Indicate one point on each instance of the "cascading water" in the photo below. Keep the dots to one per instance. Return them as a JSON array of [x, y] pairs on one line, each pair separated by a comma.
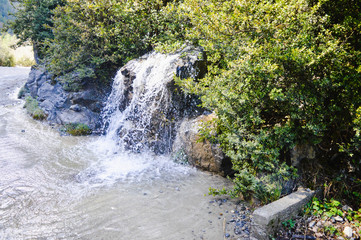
[[139, 121], [135, 115]]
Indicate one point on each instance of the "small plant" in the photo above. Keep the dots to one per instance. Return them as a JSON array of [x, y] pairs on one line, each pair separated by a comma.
[[77, 129], [331, 230], [328, 209], [32, 107], [289, 224], [21, 92]]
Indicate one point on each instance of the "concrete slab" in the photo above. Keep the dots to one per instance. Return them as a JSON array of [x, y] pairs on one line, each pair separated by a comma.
[[268, 218]]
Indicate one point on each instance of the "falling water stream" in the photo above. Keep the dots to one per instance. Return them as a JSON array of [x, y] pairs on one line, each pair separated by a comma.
[[64, 187]]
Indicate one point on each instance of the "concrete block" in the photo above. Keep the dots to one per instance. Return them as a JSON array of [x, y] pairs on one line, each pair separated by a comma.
[[268, 218]]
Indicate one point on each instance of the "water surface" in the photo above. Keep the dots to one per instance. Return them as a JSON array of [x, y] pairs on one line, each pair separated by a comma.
[[63, 187]]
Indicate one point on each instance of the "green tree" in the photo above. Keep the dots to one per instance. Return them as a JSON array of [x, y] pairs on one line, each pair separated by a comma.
[[5, 11], [33, 22], [92, 39], [281, 73]]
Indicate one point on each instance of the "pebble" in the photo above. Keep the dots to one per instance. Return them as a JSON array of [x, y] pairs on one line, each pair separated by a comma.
[[346, 208], [339, 219], [312, 224], [348, 232]]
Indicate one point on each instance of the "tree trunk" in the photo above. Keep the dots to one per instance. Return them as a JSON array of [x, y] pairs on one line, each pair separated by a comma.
[[36, 53]]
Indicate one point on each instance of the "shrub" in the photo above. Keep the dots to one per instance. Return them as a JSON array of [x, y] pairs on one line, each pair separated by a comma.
[[33, 109], [77, 129], [6, 58], [280, 73]]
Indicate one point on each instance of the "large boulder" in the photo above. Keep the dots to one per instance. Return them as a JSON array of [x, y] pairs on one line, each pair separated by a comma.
[[62, 106], [149, 103], [199, 152]]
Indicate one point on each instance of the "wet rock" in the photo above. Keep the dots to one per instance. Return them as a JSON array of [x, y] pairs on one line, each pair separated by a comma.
[[155, 105], [75, 108]]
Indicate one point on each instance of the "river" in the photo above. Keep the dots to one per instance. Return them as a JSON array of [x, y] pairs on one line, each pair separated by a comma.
[[62, 187]]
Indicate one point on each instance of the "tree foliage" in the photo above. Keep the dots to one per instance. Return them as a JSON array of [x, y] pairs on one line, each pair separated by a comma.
[[5, 11], [94, 38], [281, 73], [33, 22]]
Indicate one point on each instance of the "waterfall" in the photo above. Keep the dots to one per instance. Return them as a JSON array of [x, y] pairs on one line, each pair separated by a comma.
[[141, 115], [137, 113]]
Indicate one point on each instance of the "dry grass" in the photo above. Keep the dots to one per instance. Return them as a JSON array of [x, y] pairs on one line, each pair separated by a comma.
[[22, 56]]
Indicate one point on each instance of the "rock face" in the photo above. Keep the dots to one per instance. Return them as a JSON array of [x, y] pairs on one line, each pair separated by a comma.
[[202, 154], [64, 107], [145, 106]]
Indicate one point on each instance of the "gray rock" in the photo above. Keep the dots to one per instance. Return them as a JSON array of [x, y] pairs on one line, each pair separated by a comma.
[[346, 208], [312, 224], [300, 152], [338, 219], [347, 231], [61, 106], [202, 154]]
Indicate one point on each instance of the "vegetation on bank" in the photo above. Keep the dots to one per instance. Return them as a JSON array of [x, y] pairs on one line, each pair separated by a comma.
[[11, 56], [77, 129], [325, 219], [281, 73], [32, 107]]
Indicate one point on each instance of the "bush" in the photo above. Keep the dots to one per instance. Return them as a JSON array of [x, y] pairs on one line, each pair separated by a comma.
[[33, 109], [280, 73], [6, 58], [10, 57], [77, 129]]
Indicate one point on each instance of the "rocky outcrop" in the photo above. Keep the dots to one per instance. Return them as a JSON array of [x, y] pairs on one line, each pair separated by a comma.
[[146, 106], [64, 107], [201, 154]]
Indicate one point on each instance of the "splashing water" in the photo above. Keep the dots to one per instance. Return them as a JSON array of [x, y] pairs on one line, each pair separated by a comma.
[[137, 106], [137, 122]]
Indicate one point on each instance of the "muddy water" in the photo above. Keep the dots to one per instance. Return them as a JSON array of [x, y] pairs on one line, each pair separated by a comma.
[[61, 187]]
